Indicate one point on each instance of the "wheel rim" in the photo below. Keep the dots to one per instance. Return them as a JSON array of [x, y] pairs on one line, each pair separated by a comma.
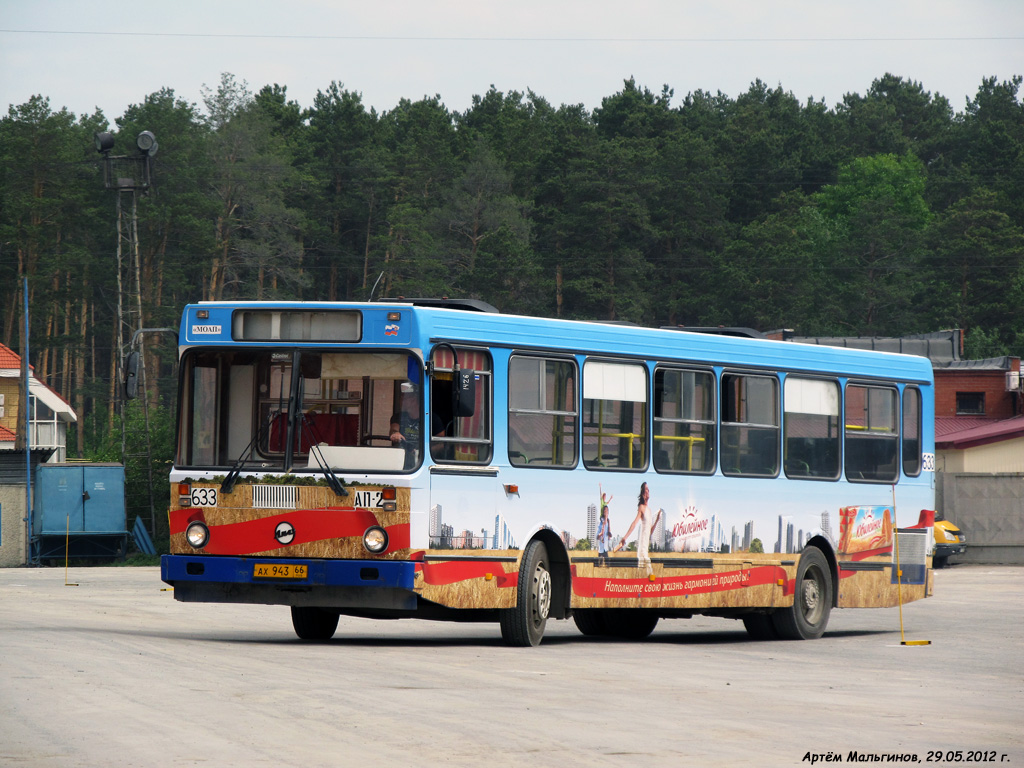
[[810, 596], [541, 594]]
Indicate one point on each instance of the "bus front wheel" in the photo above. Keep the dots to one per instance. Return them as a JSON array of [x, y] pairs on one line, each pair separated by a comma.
[[314, 623], [807, 618], [523, 625]]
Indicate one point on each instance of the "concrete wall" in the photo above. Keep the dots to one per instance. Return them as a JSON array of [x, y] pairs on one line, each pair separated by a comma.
[[12, 525], [989, 509]]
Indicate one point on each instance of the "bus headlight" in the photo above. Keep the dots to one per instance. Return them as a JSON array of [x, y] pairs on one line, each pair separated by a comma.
[[375, 540], [197, 534]]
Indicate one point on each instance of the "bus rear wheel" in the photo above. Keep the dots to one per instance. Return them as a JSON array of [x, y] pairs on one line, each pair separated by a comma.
[[760, 626], [314, 623], [623, 623], [523, 625], [590, 621], [629, 623], [807, 618]]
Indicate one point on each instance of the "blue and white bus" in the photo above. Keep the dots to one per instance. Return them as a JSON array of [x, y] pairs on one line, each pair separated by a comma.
[[438, 459]]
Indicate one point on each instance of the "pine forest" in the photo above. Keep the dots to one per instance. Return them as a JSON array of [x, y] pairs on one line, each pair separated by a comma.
[[891, 213]]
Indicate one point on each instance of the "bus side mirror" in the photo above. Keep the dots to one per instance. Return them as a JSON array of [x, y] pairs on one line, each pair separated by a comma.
[[464, 393], [131, 376]]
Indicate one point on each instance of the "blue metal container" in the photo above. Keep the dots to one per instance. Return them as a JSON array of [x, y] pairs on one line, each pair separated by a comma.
[[81, 504]]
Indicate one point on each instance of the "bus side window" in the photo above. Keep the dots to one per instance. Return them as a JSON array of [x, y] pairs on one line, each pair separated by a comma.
[[684, 421], [541, 412], [614, 415], [750, 425], [872, 433], [811, 428], [912, 459], [460, 439]]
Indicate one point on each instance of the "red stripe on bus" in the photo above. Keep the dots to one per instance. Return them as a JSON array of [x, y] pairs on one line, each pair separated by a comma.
[[310, 525], [673, 586]]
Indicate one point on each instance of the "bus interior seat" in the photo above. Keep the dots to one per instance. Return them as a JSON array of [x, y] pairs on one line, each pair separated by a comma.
[[329, 428]]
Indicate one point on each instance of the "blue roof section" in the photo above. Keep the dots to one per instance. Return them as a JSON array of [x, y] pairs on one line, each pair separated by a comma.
[[420, 326], [598, 338]]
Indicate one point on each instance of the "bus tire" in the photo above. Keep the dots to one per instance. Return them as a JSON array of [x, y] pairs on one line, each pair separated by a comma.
[[314, 623], [807, 618], [523, 626], [590, 621], [760, 627], [629, 623], [623, 623]]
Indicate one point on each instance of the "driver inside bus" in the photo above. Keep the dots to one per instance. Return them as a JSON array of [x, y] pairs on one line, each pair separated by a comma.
[[406, 424]]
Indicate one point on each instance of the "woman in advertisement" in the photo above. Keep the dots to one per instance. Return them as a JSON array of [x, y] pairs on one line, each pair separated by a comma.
[[643, 536]]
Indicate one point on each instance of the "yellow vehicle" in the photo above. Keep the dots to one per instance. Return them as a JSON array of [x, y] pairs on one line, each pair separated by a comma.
[[949, 540]]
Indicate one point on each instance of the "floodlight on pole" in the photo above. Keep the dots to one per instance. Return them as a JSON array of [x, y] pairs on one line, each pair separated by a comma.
[[104, 141], [146, 142]]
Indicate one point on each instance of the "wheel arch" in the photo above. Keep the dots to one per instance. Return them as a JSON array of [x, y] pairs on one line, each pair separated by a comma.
[[825, 546], [561, 594]]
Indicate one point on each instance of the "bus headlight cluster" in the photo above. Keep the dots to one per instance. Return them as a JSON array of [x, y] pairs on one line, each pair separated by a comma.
[[197, 534], [375, 540]]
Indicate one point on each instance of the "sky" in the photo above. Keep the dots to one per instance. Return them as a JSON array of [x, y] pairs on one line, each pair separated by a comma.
[[85, 55]]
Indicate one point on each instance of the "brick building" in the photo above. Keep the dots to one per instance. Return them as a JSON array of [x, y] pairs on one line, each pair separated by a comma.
[[978, 389]]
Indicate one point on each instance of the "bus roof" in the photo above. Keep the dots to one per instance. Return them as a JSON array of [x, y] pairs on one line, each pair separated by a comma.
[[444, 323]]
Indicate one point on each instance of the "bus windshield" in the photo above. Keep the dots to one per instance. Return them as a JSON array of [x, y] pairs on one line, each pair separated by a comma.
[[289, 410]]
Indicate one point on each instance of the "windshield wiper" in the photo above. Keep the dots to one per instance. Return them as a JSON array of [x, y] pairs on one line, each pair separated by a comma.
[[231, 478], [314, 450], [295, 417]]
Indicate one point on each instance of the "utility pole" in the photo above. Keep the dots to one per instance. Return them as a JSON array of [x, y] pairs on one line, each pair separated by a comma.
[[23, 435]]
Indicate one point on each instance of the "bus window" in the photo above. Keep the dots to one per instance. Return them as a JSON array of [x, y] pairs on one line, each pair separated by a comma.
[[750, 425], [541, 412], [614, 415], [810, 428], [202, 442], [345, 405], [684, 421], [871, 433], [912, 431], [455, 438], [254, 408]]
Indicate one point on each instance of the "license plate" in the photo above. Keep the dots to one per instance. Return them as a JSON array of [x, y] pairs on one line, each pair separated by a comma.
[[279, 571]]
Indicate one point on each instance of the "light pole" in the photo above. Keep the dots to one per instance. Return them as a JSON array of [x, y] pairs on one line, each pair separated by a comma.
[[128, 175]]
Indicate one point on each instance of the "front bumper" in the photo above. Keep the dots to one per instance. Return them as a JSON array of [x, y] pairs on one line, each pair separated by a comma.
[[365, 584], [945, 550]]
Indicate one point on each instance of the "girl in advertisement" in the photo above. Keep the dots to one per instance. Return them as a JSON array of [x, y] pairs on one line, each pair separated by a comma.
[[647, 524], [604, 533]]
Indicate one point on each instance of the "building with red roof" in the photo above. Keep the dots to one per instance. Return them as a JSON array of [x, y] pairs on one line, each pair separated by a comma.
[[49, 413], [49, 416]]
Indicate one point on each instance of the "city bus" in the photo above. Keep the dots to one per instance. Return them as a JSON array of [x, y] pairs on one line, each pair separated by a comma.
[[441, 460]]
